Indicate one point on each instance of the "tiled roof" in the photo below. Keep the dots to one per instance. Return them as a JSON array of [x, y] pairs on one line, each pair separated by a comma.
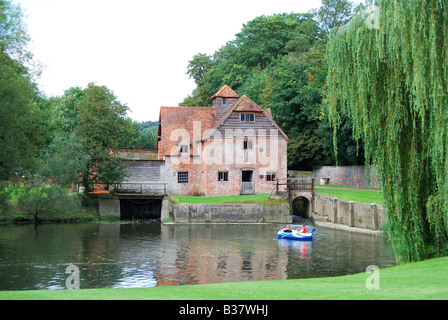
[[172, 118], [226, 92], [184, 118], [244, 104]]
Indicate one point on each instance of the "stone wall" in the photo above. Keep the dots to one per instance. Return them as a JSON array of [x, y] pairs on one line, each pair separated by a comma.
[[358, 215], [229, 213], [351, 176], [109, 207]]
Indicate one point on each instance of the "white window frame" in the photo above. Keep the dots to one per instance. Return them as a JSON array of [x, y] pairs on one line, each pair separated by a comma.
[[247, 117]]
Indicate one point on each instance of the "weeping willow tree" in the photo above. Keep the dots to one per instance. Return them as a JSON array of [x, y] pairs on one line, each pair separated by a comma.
[[388, 71]]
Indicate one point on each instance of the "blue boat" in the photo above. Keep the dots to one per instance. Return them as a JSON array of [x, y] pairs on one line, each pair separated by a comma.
[[295, 235]]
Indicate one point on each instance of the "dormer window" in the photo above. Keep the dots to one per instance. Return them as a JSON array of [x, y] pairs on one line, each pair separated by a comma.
[[247, 117]]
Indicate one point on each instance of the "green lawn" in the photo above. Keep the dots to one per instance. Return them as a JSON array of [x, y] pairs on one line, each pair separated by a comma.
[[252, 198], [421, 280], [363, 196]]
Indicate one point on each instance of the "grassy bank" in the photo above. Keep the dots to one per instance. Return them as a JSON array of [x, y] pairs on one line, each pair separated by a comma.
[[240, 199], [362, 196], [421, 280]]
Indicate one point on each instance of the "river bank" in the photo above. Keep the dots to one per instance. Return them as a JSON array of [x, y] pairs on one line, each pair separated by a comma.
[[425, 280]]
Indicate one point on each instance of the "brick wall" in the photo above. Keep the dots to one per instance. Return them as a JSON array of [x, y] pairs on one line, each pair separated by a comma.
[[230, 158]]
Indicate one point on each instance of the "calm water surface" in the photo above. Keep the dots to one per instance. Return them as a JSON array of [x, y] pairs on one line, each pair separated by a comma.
[[147, 254]]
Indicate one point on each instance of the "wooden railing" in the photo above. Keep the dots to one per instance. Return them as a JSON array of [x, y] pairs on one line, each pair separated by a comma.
[[156, 188], [299, 184]]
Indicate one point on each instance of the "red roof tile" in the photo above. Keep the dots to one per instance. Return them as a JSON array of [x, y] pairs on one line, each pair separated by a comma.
[[226, 92], [245, 104], [172, 118]]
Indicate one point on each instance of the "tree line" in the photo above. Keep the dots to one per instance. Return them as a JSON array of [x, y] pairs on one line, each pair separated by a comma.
[[50, 144]]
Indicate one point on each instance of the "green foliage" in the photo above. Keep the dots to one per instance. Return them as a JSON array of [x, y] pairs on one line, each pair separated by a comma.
[[248, 199], [334, 13], [21, 120], [438, 222], [39, 199], [98, 130], [391, 81], [138, 134], [264, 39], [63, 160], [199, 66], [13, 34], [60, 139], [4, 197], [278, 61]]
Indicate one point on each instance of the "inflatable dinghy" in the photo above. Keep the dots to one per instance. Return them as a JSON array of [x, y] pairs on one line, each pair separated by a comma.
[[295, 235]]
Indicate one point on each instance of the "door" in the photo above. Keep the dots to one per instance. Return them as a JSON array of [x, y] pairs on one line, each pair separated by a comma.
[[247, 182]]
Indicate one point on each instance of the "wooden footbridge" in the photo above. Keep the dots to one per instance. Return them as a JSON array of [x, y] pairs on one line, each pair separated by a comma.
[[294, 188]]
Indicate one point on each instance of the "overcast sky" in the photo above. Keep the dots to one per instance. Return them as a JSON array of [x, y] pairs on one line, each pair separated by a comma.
[[139, 49]]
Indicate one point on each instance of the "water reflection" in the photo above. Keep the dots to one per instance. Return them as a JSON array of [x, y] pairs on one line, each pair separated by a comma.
[[150, 254]]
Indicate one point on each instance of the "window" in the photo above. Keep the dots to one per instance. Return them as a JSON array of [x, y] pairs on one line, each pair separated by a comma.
[[224, 101], [223, 176], [182, 177], [247, 144], [247, 117], [270, 176], [184, 148]]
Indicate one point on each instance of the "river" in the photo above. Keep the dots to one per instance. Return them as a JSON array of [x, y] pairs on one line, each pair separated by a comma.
[[147, 254]]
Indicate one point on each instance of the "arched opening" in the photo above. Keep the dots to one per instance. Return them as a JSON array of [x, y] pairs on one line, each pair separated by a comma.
[[301, 207]]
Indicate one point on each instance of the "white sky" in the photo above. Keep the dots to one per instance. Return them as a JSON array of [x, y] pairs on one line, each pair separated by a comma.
[[139, 49]]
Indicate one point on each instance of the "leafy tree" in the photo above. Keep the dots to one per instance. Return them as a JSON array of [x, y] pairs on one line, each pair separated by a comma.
[[391, 81], [38, 199], [14, 37], [334, 13], [64, 115], [98, 130], [264, 39], [198, 66], [21, 119], [63, 160]]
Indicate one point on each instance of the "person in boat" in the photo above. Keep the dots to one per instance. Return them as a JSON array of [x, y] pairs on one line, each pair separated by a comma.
[[303, 230], [287, 228]]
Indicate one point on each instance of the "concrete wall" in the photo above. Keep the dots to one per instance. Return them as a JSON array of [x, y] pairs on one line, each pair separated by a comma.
[[109, 207], [351, 176], [358, 215], [230, 213]]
